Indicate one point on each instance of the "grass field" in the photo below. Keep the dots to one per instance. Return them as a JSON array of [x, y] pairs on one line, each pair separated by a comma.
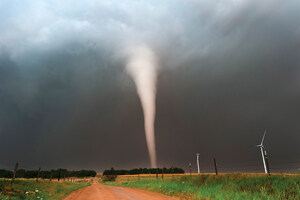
[[225, 186], [31, 189]]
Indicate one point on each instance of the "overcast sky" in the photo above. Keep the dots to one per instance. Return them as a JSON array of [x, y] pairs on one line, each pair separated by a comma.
[[228, 70]]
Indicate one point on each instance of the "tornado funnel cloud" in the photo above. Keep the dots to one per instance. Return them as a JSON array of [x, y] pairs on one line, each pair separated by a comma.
[[142, 66]]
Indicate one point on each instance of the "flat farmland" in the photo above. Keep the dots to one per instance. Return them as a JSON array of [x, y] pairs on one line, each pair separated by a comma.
[[222, 186]]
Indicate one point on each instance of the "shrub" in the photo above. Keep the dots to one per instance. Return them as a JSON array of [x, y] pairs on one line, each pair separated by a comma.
[[164, 170], [106, 178], [59, 173], [6, 173]]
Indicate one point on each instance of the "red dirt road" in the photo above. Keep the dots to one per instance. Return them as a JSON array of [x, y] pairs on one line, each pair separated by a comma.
[[98, 191]]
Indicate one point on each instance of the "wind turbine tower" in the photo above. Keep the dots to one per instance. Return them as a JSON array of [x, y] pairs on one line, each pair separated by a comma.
[[264, 154], [198, 163]]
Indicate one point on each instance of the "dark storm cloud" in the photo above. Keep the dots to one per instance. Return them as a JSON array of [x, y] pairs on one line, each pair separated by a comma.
[[228, 70]]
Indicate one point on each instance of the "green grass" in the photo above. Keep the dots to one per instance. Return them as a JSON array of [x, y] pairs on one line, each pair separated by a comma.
[[229, 186], [31, 189]]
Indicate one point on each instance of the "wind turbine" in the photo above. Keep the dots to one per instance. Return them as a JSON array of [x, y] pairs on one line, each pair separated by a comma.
[[264, 154]]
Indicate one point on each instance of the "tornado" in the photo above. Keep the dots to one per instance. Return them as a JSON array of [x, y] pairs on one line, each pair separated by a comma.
[[142, 66]]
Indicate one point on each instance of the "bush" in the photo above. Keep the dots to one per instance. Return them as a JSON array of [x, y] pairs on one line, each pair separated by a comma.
[[164, 170], [59, 173], [106, 178], [6, 173]]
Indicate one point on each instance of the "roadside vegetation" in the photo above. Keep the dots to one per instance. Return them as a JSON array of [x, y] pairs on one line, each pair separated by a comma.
[[172, 170], [225, 186], [31, 189], [58, 173]]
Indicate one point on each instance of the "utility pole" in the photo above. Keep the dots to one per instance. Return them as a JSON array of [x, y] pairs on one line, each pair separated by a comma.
[[216, 169], [198, 163]]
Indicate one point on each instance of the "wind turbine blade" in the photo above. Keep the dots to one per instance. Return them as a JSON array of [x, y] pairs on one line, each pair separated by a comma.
[[262, 141]]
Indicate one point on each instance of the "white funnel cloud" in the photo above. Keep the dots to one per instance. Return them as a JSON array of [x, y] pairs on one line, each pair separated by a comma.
[[142, 66]]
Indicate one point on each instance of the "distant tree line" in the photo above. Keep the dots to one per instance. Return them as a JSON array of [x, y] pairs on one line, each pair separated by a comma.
[[164, 170], [58, 173]]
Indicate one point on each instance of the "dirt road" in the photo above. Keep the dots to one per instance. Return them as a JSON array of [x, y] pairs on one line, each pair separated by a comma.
[[98, 191]]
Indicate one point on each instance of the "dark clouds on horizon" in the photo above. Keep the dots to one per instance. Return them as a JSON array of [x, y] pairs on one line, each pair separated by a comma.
[[228, 70]]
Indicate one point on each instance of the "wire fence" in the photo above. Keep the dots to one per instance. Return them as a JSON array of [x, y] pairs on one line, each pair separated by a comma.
[[133, 178], [288, 163], [239, 166], [165, 177], [61, 178]]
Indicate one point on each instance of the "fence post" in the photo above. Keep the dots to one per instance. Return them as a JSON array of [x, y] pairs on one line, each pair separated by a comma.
[[162, 174], [190, 165], [15, 171], [51, 175], [38, 174], [216, 169]]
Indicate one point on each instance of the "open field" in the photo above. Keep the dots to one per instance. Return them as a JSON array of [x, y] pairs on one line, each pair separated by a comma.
[[223, 186], [44, 189]]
